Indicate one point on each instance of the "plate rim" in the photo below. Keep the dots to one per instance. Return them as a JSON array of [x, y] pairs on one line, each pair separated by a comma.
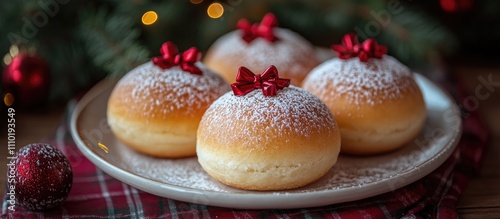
[[224, 199]]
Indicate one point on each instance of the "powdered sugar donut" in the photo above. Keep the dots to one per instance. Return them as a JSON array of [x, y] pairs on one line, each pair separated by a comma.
[[260, 142], [293, 55], [377, 103], [156, 111], [375, 99]]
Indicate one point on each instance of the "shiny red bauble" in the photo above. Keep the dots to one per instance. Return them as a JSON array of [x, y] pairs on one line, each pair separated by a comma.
[[27, 77]]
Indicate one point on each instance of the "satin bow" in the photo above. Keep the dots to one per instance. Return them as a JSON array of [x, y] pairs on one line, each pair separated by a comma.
[[264, 29], [170, 57], [351, 47], [269, 82]]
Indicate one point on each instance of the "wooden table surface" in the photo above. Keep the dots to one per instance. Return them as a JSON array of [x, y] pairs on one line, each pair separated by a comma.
[[481, 198]]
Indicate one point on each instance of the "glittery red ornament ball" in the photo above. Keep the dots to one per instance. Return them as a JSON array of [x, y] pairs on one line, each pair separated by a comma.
[[43, 177]]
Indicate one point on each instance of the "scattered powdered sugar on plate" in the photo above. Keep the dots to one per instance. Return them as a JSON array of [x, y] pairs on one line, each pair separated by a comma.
[[260, 54], [185, 172], [174, 88], [349, 172], [293, 111], [369, 82]]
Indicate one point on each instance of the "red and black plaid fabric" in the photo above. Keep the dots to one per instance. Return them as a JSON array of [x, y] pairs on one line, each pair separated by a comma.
[[97, 195]]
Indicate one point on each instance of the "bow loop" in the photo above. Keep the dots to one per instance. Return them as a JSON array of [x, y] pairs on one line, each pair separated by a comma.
[[371, 46], [270, 73], [168, 51], [170, 57], [269, 20], [350, 40], [269, 82], [351, 47], [244, 24], [191, 55], [246, 29], [245, 75], [264, 29]]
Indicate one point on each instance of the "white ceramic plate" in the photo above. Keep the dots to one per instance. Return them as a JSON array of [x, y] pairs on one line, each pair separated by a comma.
[[352, 178]]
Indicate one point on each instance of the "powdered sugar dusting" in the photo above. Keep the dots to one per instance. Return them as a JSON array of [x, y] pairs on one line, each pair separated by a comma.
[[180, 172], [348, 172], [260, 53], [286, 112], [369, 82], [176, 89]]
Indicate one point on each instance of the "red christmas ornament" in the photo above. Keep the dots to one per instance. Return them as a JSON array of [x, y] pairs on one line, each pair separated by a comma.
[[27, 77], [42, 177], [453, 6], [264, 29], [170, 57], [351, 47], [269, 82]]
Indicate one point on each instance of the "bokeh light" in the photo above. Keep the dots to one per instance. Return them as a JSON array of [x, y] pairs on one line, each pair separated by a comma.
[[103, 147], [13, 51], [7, 59], [149, 18], [215, 10], [196, 1], [8, 99]]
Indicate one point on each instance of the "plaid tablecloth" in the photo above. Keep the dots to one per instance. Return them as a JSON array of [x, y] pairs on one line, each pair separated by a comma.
[[97, 195]]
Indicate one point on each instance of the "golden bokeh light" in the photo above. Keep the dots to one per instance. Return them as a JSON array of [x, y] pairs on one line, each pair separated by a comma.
[[196, 1], [149, 18], [103, 147], [8, 99], [215, 10]]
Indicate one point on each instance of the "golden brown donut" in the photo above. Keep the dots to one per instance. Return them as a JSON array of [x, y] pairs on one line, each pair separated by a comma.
[[377, 104], [293, 55], [258, 142], [156, 111]]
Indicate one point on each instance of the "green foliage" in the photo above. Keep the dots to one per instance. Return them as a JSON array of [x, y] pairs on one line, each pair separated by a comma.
[[112, 41], [414, 38]]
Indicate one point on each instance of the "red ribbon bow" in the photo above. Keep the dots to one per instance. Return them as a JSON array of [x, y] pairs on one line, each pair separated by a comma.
[[269, 82], [264, 29], [350, 48], [170, 57]]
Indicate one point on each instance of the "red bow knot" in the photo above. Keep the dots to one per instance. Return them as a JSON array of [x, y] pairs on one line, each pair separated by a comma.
[[269, 82], [170, 57], [264, 29], [351, 47]]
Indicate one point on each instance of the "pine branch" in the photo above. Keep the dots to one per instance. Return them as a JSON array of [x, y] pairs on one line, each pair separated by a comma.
[[71, 68], [112, 42]]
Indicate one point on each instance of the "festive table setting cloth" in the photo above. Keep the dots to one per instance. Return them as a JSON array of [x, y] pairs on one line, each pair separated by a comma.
[[95, 194]]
